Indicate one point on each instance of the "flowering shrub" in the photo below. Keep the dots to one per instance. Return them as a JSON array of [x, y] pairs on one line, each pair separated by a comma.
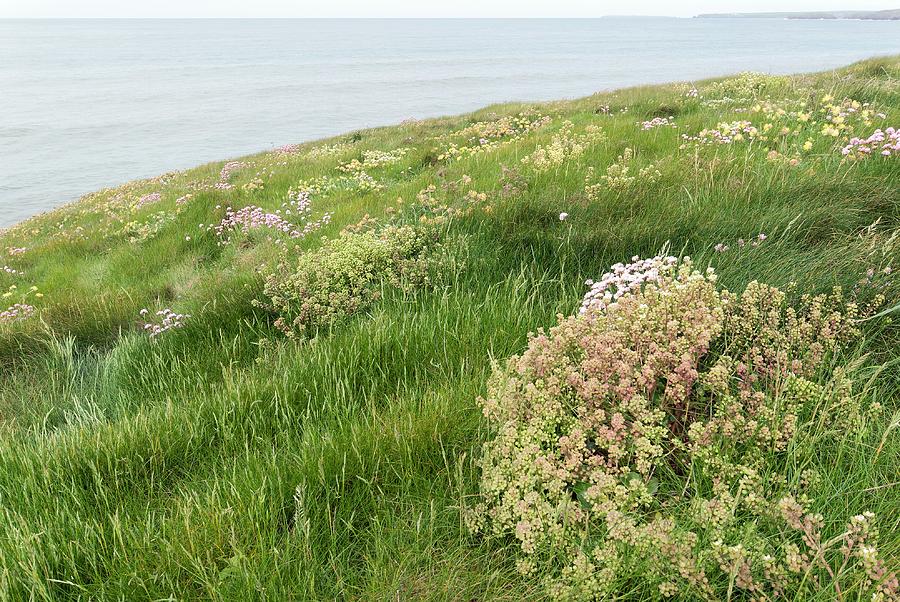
[[287, 149], [624, 279], [364, 182], [788, 122], [747, 85], [137, 232], [328, 150], [162, 321], [724, 133], [485, 136], [298, 207], [649, 434], [657, 122], [619, 176], [254, 185], [148, 199], [374, 158], [356, 177], [21, 310], [886, 143], [791, 128], [225, 174], [346, 276], [16, 312], [565, 145]]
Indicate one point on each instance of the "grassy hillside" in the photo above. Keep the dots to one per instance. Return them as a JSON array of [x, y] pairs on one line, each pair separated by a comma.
[[265, 379]]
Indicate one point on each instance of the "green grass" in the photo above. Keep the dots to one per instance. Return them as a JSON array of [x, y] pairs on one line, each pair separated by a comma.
[[223, 461]]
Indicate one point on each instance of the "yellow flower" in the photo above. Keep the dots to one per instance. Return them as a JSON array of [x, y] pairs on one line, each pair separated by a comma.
[[807, 145]]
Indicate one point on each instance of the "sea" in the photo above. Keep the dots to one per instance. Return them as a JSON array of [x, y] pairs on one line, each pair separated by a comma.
[[86, 104]]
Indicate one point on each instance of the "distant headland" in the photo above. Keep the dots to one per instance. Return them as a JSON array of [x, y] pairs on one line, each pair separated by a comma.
[[869, 15]]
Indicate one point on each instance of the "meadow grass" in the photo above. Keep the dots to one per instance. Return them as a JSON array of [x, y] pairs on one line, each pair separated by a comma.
[[224, 460]]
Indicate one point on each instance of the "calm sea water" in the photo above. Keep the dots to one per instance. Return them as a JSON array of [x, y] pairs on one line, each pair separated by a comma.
[[88, 103]]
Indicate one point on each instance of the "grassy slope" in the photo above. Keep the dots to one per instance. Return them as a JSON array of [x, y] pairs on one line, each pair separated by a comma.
[[147, 469]]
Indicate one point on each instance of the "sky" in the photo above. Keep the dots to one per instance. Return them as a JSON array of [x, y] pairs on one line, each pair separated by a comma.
[[414, 8]]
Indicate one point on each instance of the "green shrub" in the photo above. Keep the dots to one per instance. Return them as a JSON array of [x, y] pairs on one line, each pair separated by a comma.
[[749, 84], [657, 433], [347, 275]]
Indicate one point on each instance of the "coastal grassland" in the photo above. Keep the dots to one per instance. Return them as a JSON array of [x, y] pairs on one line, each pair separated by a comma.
[[226, 455]]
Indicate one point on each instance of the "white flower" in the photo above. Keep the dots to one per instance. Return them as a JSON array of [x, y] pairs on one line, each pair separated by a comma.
[[563, 216]]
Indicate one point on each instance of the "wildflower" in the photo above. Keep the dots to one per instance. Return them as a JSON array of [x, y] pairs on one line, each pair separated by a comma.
[[252, 217], [348, 274], [886, 142], [565, 145], [148, 199], [725, 133], [619, 176], [287, 149], [660, 370], [16, 313], [563, 216], [164, 320], [657, 122]]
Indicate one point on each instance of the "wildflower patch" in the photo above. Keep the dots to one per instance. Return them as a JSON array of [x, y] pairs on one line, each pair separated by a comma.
[[564, 146], [652, 432], [347, 275]]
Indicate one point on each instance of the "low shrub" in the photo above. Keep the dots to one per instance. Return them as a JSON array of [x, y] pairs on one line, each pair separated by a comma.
[[564, 146], [749, 84], [347, 275], [660, 432], [619, 176]]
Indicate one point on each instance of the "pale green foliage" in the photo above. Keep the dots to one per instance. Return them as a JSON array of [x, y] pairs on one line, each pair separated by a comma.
[[653, 435], [565, 145], [620, 176], [748, 84], [348, 274]]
